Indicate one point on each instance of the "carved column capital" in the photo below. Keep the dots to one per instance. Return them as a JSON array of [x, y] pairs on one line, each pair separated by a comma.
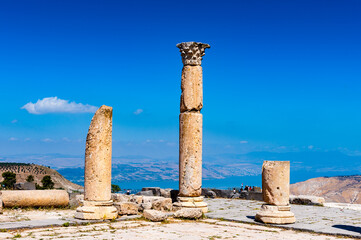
[[192, 52]]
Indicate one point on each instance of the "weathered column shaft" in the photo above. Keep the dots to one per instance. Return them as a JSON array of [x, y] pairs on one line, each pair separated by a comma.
[[190, 123], [190, 154], [97, 202], [276, 182], [98, 157]]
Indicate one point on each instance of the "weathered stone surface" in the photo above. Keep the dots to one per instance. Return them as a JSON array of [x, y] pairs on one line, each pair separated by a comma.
[[189, 213], [76, 200], [145, 193], [192, 89], [97, 178], [98, 156], [208, 193], [34, 198], [136, 199], [276, 182], [192, 52], [127, 208], [190, 202], [155, 190], [154, 215], [151, 199], [190, 154], [118, 197], [275, 214], [166, 192], [96, 210], [145, 206], [307, 200], [164, 204]]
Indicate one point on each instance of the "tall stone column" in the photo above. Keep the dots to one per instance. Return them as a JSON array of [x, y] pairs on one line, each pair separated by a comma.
[[190, 127], [276, 193], [98, 166]]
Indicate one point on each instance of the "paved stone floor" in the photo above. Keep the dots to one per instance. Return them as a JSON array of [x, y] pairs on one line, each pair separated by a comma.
[[330, 220], [341, 220]]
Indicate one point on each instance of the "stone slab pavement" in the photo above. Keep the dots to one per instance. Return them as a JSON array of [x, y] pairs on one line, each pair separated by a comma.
[[329, 220]]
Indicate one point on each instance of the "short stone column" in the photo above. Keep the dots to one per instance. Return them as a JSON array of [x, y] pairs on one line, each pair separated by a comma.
[[98, 166], [190, 127], [276, 193]]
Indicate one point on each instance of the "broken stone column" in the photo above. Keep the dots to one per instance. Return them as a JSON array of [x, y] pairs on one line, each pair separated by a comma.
[[276, 192], [97, 202], [190, 127]]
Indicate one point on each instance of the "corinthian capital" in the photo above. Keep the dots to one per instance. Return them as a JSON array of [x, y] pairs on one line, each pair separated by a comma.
[[192, 52]]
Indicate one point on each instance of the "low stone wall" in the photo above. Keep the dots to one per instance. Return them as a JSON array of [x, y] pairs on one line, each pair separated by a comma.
[[34, 198]]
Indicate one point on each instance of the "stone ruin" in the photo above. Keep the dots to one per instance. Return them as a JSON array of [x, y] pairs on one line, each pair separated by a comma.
[[97, 202], [276, 191]]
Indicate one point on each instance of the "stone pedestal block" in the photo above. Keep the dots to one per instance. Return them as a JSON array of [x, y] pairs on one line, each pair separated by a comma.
[[92, 210], [190, 202], [190, 154], [275, 214], [276, 182], [192, 89]]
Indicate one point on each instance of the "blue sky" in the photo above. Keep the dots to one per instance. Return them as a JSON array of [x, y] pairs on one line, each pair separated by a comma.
[[280, 76]]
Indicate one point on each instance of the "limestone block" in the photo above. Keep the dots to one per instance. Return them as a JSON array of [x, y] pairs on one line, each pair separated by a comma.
[[166, 192], [164, 204], [145, 193], [98, 155], [190, 202], [34, 198], [275, 214], [145, 206], [151, 199], [192, 89], [92, 210], [276, 182], [127, 208], [189, 213], [190, 154], [154, 215], [136, 199], [307, 200], [155, 190], [118, 197]]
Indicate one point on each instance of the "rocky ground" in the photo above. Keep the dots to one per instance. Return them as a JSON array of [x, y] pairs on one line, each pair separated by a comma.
[[171, 229]]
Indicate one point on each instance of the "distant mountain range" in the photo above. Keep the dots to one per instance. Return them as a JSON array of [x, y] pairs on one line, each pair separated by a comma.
[[304, 165], [343, 189]]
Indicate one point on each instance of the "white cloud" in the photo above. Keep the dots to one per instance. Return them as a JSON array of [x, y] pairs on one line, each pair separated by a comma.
[[14, 121], [57, 105], [138, 111], [13, 139], [47, 140], [243, 142]]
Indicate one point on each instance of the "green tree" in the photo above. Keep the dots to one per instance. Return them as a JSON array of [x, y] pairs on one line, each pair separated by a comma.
[[9, 180], [30, 178], [47, 182], [115, 188]]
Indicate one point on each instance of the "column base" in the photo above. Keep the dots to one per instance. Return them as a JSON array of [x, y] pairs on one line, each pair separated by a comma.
[[191, 202], [275, 214], [95, 210]]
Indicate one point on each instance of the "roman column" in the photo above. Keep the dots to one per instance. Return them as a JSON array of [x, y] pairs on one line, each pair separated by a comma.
[[98, 166], [190, 126], [276, 193]]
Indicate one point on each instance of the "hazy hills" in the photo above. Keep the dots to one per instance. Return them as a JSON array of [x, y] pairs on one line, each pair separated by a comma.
[[343, 189]]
